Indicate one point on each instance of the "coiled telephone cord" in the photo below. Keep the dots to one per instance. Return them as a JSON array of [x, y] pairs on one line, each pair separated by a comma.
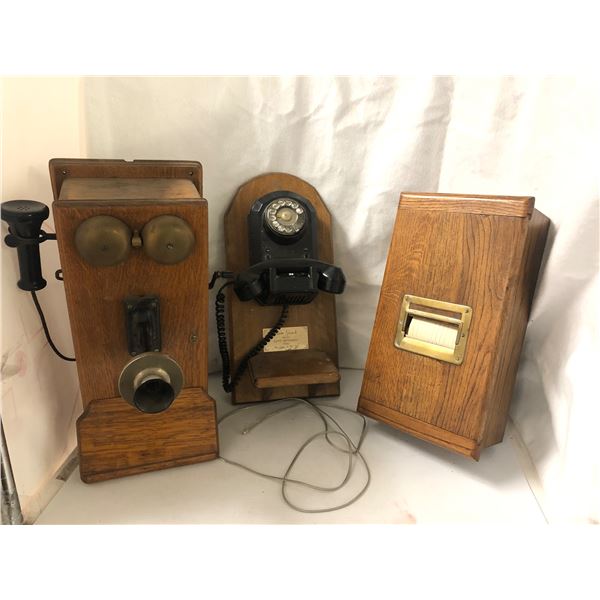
[[230, 382]]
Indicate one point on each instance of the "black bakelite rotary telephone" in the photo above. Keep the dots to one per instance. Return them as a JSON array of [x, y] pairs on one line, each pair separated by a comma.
[[282, 234], [285, 269]]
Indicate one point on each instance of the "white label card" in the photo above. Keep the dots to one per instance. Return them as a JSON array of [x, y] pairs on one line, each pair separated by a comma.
[[288, 338]]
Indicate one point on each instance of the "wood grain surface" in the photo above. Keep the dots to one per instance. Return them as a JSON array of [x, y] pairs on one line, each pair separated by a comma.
[[95, 294], [248, 319], [90, 168], [512, 336], [508, 206], [272, 369], [116, 440], [151, 191], [483, 260]]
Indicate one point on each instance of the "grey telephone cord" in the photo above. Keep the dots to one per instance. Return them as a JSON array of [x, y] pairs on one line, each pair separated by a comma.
[[351, 450]]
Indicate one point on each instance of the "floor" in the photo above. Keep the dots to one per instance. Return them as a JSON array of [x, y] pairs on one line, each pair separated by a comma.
[[411, 481]]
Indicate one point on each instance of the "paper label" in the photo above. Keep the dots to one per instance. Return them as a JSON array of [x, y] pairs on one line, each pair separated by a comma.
[[288, 338]]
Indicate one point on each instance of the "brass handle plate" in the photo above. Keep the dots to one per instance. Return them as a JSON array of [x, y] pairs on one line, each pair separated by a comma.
[[440, 330]]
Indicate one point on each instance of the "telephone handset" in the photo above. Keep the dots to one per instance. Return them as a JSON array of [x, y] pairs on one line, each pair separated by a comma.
[[288, 281], [282, 235], [24, 219]]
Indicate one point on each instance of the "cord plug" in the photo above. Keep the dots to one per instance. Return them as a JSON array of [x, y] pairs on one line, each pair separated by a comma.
[[219, 275]]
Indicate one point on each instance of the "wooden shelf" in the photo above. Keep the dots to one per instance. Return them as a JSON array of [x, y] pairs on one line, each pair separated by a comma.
[[292, 367]]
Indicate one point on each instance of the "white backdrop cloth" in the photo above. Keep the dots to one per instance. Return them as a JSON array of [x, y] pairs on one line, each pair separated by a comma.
[[362, 141]]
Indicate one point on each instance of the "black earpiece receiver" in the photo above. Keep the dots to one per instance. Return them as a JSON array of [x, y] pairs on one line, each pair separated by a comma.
[[25, 218], [282, 235]]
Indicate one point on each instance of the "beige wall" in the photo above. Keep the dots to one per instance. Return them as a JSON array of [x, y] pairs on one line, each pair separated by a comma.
[[41, 119]]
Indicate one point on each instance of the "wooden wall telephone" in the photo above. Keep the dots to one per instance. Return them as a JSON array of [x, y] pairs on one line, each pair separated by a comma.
[[133, 242], [279, 243]]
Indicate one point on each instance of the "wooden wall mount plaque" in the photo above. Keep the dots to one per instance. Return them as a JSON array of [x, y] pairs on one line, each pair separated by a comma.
[[135, 192], [269, 378], [483, 252]]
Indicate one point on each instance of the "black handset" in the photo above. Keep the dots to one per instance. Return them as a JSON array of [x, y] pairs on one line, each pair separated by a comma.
[[289, 281], [282, 236], [25, 218]]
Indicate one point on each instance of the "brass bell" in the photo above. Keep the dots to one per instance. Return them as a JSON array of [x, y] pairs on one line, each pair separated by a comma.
[[167, 239], [103, 241]]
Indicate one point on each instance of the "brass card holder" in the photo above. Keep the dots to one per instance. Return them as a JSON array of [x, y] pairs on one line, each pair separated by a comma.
[[436, 317]]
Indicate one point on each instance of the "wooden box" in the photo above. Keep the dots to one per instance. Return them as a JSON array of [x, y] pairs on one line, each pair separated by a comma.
[[480, 254], [115, 438]]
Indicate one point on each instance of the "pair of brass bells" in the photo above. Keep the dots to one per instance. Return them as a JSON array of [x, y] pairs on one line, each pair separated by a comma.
[[104, 241]]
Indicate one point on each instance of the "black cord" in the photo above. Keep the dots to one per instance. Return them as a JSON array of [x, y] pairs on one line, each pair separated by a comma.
[[230, 382], [222, 335], [45, 326]]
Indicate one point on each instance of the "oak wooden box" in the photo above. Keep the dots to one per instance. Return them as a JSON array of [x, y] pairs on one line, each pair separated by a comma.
[[480, 251], [114, 438]]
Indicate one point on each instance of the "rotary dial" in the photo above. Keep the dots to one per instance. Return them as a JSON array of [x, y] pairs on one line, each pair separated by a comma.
[[285, 216]]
